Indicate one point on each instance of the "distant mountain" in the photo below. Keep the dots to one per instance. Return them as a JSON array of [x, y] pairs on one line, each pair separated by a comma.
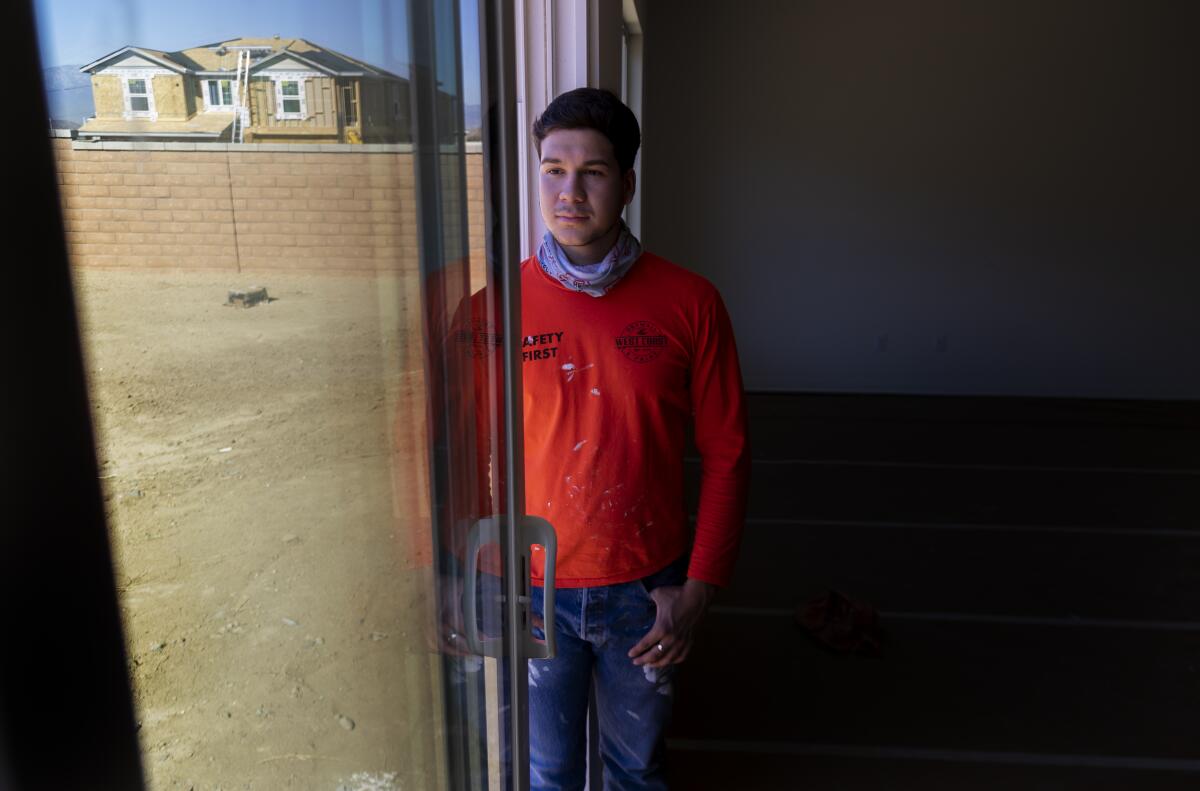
[[71, 106], [58, 78], [471, 116], [69, 95]]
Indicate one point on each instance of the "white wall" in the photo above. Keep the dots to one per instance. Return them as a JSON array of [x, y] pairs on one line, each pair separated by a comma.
[[936, 196], [561, 45]]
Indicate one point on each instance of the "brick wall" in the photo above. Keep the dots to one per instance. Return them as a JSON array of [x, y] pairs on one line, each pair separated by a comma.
[[270, 207]]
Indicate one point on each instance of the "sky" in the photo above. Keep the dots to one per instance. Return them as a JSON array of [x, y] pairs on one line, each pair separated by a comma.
[[375, 31]]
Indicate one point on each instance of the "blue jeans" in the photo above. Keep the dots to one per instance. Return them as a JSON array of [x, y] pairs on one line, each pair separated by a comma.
[[595, 628]]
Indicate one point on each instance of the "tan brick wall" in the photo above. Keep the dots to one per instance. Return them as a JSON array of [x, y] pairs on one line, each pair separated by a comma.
[[169, 100], [108, 95], [212, 209]]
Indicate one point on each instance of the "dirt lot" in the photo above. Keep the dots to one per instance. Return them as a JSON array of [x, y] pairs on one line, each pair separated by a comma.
[[262, 470]]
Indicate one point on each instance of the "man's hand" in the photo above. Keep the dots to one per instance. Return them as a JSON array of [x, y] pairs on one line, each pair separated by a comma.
[[680, 608]]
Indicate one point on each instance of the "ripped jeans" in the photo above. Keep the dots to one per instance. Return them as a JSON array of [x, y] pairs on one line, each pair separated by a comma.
[[595, 629]]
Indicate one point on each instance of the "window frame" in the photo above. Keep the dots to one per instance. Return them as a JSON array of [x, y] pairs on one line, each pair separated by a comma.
[[351, 114], [207, 87], [129, 95], [280, 98]]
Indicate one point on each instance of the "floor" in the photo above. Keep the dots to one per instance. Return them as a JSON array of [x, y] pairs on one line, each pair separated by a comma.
[[1033, 563]]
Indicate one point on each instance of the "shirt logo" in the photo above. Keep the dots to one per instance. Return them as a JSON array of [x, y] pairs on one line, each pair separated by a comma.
[[480, 339], [641, 342], [543, 346]]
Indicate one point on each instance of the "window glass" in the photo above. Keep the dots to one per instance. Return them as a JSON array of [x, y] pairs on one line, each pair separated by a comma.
[[220, 93], [254, 328], [139, 102], [350, 103], [291, 88]]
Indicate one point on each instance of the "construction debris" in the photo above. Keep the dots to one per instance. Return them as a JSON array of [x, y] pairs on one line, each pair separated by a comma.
[[248, 298]]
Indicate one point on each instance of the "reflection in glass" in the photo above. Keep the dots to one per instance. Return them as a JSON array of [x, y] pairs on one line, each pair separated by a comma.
[[266, 460], [139, 101]]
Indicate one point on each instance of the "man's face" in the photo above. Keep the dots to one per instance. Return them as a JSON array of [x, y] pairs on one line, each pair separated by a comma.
[[582, 192]]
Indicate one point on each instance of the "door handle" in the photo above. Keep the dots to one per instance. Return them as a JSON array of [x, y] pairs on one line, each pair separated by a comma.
[[536, 530], [531, 530], [485, 531]]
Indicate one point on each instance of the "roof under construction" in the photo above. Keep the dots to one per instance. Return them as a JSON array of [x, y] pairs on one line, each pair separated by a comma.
[[222, 57]]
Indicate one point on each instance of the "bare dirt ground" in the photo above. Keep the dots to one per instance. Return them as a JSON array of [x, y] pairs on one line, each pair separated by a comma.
[[262, 470]]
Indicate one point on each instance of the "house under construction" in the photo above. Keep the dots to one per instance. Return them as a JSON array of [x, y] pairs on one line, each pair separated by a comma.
[[264, 90]]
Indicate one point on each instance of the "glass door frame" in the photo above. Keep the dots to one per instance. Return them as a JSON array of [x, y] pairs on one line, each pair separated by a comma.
[[438, 147], [66, 708], [497, 56], [55, 561]]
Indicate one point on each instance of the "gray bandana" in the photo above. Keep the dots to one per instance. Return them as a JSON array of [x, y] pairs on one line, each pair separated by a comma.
[[594, 279]]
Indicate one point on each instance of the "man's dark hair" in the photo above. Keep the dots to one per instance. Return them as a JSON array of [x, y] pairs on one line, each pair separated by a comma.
[[593, 108]]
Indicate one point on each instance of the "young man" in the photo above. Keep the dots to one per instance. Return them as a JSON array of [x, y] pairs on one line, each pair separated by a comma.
[[622, 351]]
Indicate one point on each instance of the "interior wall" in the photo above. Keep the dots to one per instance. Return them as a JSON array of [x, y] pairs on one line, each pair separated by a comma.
[[604, 45], [937, 196]]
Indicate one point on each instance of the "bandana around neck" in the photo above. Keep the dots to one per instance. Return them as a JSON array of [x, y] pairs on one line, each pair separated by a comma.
[[594, 279]]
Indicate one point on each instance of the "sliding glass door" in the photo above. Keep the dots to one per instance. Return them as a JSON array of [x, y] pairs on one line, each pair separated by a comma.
[[296, 314]]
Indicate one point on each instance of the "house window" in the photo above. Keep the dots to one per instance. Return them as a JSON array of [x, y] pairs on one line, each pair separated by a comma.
[[139, 96], [289, 99], [137, 90], [220, 93], [290, 89], [350, 105]]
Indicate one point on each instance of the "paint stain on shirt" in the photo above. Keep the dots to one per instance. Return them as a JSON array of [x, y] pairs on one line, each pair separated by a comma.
[[570, 369]]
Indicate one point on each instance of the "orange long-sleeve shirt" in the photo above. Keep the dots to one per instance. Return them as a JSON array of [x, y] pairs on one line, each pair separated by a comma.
[[610, 385]]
